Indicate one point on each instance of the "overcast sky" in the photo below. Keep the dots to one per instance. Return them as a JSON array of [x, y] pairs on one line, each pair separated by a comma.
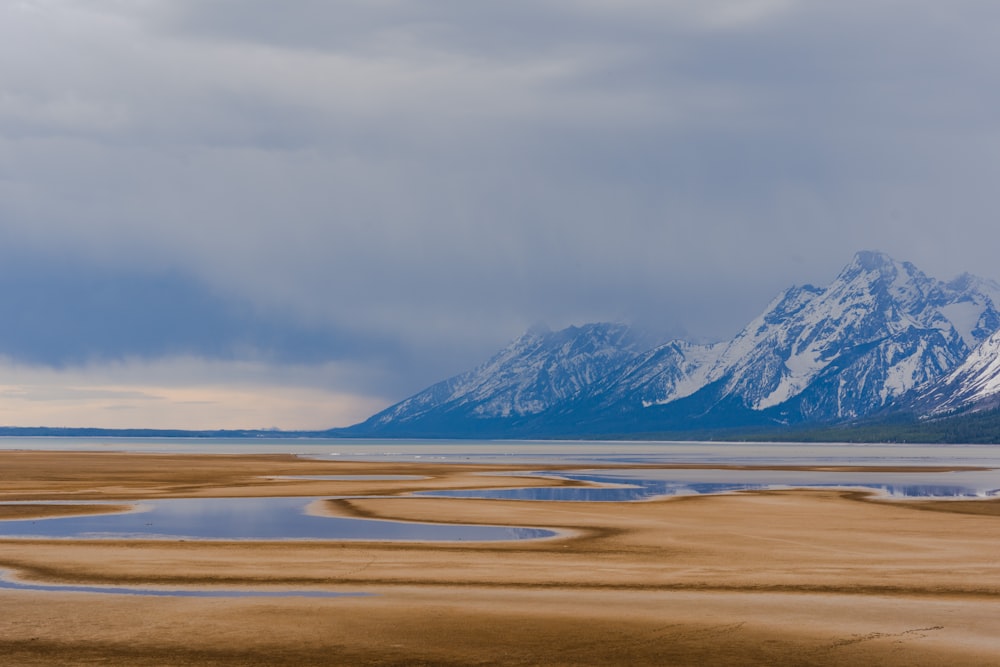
[[247, 213]]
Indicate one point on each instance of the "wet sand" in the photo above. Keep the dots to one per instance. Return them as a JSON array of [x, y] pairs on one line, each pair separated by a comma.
[[806, 577]]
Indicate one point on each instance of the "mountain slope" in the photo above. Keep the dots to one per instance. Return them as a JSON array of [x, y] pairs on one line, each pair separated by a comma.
[[880, 330], [972, 386], [535, 372], [877, 331]]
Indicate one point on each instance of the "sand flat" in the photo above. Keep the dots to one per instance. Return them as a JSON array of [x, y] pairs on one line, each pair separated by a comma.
[[754, 578]]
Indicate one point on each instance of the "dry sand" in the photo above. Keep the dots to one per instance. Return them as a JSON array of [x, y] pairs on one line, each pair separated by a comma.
[[757, 578]]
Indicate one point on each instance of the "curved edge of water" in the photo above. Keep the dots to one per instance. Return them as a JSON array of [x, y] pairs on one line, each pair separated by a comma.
[[518, 533]]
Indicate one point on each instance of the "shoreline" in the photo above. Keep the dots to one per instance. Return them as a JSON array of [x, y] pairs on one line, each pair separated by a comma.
[[757, 577]]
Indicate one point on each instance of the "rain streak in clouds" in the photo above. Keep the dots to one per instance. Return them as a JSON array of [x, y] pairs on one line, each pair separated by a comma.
[[249, 214]]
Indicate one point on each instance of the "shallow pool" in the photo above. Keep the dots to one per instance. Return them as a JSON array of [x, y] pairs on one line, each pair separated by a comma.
[[626, 485], [248, 519]]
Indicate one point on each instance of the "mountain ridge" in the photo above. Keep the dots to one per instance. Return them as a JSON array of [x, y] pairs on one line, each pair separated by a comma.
[[875, 339]]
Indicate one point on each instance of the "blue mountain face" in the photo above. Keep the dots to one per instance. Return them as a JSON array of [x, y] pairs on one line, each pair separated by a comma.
[[971, 386], [877, 331], [536, 372], [881, 330]]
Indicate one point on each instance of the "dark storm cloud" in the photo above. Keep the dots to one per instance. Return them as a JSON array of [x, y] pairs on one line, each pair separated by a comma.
[[60, 312], [413, 183]]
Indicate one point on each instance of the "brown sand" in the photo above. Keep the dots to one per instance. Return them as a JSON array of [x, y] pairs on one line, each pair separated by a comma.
[[762, 578]]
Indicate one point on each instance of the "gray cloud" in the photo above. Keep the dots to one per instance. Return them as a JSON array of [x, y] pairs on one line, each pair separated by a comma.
[[60, 312], [410, 184]]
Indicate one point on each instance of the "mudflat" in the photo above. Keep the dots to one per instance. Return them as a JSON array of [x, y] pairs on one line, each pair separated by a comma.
[[798, 577]]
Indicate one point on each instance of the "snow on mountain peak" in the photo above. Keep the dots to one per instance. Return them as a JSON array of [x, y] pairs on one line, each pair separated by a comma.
[[879, 330], [973, 384], [535, 371]]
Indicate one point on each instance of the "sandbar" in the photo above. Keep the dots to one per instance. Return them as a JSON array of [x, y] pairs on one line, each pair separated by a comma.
[[797, 577]]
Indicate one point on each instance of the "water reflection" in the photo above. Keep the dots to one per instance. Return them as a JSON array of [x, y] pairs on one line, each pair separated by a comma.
[[249, 519], [642, 491], [347, 478], [637, 485]]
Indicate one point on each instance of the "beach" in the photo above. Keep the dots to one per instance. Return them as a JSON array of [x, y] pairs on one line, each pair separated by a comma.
[[799, 576]]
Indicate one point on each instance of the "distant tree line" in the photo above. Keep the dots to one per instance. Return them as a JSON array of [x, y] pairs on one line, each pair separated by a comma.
[[974, 429]]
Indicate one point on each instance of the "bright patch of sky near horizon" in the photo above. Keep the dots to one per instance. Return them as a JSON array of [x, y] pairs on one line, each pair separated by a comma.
[[357, 199]]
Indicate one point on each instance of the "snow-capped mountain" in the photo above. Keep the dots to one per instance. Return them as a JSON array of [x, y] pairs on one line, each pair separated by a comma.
[[878, 331], [974, 385], [535, 372], [666, 373]]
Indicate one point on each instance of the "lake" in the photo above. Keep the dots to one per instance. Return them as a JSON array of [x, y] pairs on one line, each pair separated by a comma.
[[287, 518], [540, 451]]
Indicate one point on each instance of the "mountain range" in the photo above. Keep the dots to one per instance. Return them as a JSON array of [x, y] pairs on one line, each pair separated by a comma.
[[882, 337]]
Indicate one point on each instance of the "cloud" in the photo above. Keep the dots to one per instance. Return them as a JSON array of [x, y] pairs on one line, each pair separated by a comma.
[[407, 185], [180, 392], [63, 312]]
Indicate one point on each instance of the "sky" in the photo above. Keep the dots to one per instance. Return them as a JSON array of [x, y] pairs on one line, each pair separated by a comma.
[[250, 214]]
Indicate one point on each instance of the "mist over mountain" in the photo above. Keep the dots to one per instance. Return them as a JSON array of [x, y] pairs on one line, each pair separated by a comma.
[[882, 336]]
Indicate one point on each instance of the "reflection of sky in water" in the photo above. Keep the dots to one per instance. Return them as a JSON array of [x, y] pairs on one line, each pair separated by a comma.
[[284, 518], [248, 519], [346, 478], [646, 484]]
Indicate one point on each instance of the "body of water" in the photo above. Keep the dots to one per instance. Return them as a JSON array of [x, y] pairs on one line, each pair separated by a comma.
[[539, 451], [627, 485], [288, 518], [247, 519]]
